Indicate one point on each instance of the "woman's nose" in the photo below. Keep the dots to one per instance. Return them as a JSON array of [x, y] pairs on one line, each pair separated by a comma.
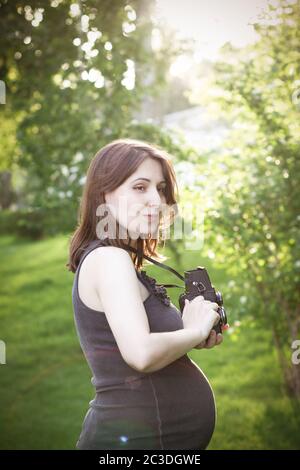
[[155, 198]]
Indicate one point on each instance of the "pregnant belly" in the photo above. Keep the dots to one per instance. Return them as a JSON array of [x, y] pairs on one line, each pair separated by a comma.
[[187, 405], [173, 408]]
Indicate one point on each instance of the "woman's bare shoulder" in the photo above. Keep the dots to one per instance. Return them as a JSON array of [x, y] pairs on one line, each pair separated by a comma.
[[112, 263]]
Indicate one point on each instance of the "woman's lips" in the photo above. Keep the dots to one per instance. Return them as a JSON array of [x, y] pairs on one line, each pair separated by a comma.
[[152, 218]]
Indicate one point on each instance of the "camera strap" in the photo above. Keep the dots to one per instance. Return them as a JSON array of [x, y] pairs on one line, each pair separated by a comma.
[[161, 265]]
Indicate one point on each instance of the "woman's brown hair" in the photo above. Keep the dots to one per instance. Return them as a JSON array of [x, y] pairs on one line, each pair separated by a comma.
[[110, 167]]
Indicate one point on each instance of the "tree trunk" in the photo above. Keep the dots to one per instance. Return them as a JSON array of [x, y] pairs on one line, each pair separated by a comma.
[[291, 372], [6, 191]]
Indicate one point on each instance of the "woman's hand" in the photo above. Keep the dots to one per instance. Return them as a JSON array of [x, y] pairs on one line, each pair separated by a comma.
[[214, 339], [200, 315]]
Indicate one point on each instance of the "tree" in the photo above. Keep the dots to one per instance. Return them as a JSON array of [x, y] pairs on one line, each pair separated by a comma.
[[74, 73], [255, 215]]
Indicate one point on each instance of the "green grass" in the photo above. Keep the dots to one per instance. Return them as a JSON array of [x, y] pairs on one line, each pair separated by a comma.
[[45, 385]]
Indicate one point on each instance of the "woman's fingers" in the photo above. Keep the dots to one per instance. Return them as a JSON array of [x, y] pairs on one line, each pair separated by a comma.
[[214, 339], [219, 338], [215, 306], [211, 340], [198, 298]]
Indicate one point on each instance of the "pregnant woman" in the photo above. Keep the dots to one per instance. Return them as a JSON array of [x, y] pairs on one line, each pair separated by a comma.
[[148, 393]]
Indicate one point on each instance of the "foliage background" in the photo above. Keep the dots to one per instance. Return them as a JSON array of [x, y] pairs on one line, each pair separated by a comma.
[[69, 90]]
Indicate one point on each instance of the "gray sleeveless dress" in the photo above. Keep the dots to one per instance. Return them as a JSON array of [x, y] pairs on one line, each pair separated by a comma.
[[171, 408]]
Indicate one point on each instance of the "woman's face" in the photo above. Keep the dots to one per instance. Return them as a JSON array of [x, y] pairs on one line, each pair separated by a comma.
[[142, 194]]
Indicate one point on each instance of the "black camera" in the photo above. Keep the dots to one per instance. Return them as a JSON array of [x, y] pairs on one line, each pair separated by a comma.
[[197, 283]]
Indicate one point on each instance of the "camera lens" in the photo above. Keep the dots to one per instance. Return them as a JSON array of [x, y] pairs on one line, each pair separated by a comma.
[[223, 316], [219, 298]]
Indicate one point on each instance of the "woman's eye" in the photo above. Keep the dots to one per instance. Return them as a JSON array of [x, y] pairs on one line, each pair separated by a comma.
[[139, 188]]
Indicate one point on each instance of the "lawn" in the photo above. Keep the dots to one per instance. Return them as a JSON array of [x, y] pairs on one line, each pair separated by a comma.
[[46, 383]]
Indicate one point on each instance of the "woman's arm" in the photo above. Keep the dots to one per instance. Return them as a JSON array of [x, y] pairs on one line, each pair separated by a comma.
[[170, 346], [115, 280], [164, 348]]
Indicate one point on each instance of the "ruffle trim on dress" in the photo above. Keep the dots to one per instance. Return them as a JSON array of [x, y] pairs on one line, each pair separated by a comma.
[[158, 290]]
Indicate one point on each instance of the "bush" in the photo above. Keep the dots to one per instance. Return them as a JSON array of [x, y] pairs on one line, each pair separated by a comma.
[[38, 222]]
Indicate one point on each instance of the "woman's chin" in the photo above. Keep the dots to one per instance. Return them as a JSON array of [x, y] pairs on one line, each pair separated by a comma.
[[143, 230]]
